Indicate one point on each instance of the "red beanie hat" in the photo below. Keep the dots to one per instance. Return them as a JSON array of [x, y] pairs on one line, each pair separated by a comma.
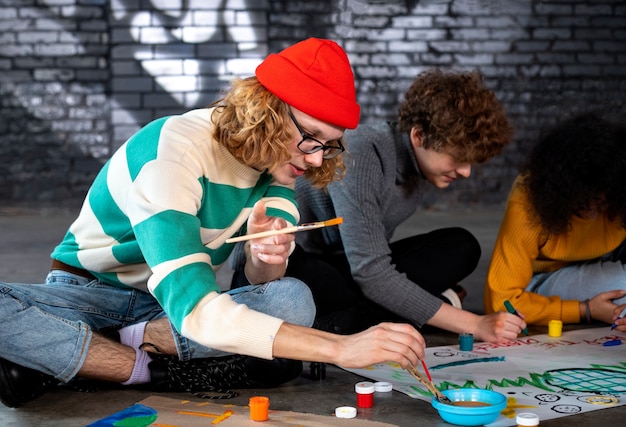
[[315, 77]]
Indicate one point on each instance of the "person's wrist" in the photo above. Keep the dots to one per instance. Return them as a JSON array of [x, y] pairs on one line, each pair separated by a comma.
[[587, 311]]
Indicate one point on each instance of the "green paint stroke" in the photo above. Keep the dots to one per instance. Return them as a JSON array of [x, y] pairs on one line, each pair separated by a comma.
[[418, 390], [144, 421], [536, 380], [620, 367], [398, 374], [447, 385]]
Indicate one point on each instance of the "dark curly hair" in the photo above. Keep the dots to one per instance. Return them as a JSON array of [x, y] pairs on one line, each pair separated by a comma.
[[455, 113], [577, 165]]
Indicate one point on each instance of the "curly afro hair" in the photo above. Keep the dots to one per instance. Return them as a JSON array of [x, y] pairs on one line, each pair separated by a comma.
[[579, 164], [456, 113]]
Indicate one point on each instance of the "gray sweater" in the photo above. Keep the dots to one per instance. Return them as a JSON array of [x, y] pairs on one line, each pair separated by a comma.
[[379, 192]]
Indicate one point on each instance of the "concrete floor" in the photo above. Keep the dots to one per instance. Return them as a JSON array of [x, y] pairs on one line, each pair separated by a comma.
[[28, 236]]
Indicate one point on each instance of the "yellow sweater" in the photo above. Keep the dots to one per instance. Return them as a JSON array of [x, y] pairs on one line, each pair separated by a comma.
[[522, 250]]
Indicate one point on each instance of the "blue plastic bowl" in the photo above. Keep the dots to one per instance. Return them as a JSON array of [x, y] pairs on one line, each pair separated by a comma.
[[471, 415]]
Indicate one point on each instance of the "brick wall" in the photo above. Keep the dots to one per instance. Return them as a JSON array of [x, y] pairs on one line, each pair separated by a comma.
[[77, 77]]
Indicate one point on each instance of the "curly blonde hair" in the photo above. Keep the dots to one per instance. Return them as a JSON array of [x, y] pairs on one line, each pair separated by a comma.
[[252, 124], [456, 113]]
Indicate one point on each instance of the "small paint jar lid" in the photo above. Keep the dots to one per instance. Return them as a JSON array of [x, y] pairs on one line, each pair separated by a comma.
[[383, 386], [527, 419], [345, 412], [364, 387]]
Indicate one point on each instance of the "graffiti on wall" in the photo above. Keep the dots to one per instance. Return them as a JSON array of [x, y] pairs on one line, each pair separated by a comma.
[[176, 71]]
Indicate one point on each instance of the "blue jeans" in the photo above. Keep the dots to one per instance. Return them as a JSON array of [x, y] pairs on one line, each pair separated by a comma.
[[48, 327], [584, 280]]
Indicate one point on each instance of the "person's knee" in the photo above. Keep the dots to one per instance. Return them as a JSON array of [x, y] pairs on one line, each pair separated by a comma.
[[299, 306], [468, 239], [468, 245]]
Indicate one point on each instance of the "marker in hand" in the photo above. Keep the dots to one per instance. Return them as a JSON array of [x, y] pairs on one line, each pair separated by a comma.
[[510, 309], [621, 316]]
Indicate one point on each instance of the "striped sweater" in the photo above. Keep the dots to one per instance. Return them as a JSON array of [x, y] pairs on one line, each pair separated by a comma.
[[156, 218], [521, 250]]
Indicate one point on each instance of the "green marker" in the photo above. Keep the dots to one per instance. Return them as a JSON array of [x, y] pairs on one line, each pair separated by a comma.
[[510, 309]]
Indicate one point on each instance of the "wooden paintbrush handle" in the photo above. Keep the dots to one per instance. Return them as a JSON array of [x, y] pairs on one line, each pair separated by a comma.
[[428, 384], [262, 234]]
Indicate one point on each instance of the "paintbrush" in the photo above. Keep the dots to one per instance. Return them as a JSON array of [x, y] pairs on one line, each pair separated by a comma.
[[426, 370], [429, 384], [301, 227]]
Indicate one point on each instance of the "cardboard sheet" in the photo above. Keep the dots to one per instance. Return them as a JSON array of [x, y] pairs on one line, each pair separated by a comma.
[[158, 411]]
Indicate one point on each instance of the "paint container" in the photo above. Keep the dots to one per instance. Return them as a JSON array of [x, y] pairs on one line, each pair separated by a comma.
[[466, 342], [383, 387], [527, 419], [383, 390], [259, 408], [364, 394], [345, 412], [555, 328]]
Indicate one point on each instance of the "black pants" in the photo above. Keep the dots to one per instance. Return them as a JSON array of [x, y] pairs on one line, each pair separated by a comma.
[[435, 261]]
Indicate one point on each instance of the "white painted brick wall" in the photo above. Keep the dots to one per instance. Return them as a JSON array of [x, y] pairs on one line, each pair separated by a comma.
[[79, 77]]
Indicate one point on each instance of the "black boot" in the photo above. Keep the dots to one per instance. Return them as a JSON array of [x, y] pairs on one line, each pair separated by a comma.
[[19, 385], [218, 375], [271, 373]]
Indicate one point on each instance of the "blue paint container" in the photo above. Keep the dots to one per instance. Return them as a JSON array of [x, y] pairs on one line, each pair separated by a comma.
[[466, 342], [470, 415]]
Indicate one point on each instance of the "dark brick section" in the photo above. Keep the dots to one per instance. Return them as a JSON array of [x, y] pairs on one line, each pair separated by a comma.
[[77, 77], [54, 105]]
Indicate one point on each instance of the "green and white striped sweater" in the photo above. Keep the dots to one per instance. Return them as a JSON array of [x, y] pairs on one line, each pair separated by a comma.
[[156, 218]]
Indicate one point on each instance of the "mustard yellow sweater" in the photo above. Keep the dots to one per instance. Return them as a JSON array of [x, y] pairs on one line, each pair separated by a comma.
[[521, 250]]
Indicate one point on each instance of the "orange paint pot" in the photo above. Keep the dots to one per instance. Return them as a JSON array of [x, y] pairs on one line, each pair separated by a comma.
[[259, 408]]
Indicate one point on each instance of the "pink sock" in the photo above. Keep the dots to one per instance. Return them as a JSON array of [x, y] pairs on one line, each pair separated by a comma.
[[141, 372], [132, 335]]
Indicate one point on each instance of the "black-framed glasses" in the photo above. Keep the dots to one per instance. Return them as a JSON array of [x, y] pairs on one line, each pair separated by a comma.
[[310, 145]]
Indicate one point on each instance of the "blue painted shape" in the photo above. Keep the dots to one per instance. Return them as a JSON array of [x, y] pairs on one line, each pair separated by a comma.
[[137, 415]]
